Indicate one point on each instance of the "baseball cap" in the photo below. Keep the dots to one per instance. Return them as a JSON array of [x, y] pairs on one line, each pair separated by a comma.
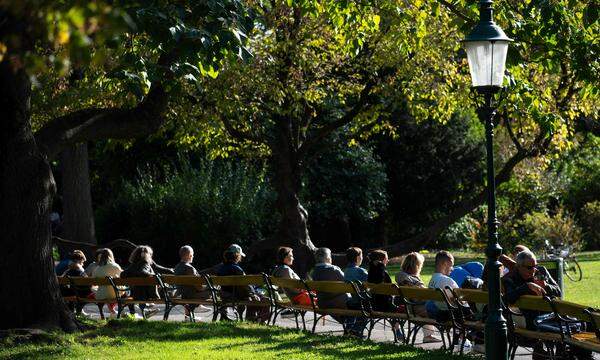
[[236, 249]]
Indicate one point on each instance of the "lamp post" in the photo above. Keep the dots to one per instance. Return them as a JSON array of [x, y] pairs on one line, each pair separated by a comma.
[[486, 48]]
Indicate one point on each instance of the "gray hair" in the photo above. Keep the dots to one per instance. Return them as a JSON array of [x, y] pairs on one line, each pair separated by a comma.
[[322, 255], [185, 250], [524, 256]]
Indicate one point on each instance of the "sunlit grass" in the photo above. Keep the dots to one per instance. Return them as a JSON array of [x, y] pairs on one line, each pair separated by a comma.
[[130, 339]]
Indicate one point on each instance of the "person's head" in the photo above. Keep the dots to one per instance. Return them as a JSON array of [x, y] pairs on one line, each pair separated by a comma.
[[97, 255], [186, 254], [444, 261], [354, 255], [233, 254], [105, 256], [141, 253], [323, 255], [77, 257], [285, 256], [518, 249], [526, 263], [379, 255], [413, 263]]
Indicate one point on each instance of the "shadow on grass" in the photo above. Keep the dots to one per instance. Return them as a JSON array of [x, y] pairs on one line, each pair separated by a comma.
[[269, 341]]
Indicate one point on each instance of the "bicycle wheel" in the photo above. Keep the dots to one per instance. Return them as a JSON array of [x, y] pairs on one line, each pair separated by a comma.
[[572, 269]]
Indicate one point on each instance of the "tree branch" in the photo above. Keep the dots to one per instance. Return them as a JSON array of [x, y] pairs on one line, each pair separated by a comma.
[[456, 11]]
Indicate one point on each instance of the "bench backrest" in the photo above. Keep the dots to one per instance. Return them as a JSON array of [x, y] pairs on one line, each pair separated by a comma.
[[183, 280], [238, 280], [571, 309], [530, 302], [136, 281], [63, 280], [286, 283], [382, 289], [335, 287], [472, 296], [421, 294], [89, 281]]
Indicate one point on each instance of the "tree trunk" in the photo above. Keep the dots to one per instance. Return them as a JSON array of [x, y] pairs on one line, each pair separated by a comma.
[[78, 216], [29, 291]]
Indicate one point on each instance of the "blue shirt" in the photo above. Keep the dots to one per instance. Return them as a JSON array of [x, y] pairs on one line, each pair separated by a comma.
[[354, 272]]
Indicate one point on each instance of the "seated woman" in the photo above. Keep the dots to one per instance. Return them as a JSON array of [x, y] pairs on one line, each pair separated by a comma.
[[285, 259], [141, 266], [377, 275], [412, 264], [107, 267], [230, 266], [75, 269]]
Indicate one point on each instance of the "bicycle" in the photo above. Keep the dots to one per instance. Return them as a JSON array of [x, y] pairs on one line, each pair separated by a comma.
[[571, 268]]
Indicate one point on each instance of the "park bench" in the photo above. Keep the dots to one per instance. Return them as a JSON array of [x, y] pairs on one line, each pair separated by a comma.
[[413, 296], [76, 281], [469, 303], [338, 314], [124, 285], [520, 336], [224, 301], [281, 304], [370, 290], [172, 285], [569, 313]]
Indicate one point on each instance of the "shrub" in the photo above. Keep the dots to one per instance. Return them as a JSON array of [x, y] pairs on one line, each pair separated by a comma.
[[558, 228], [207, 206], [590, 218]]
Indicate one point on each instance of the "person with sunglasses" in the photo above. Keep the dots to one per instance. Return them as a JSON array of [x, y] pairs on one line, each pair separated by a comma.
[[529, 279]]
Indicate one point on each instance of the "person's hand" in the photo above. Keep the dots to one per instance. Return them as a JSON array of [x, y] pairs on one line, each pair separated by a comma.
[[536, 289], [540, 283]]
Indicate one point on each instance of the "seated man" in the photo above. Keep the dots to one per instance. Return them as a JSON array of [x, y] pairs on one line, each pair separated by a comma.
[[325, 271], [444, 261], [230, 266], [185, 267], [528, 278]]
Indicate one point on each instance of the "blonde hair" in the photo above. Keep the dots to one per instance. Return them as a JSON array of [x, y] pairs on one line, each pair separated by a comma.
[[412, 263], [105, 256]]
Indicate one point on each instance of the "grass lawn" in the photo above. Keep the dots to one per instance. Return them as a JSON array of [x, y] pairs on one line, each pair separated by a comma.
[[582, 292], [130, 339]]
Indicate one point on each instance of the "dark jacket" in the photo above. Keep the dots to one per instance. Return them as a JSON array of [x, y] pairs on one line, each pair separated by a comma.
[[236, 292], [141, 269], [515, 287], [378, 275], [80, 291], [328, 272], [189, 292]]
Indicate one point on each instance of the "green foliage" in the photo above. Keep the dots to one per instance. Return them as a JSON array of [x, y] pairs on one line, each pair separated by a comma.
[[345, 182], [208, 207], [590, 219], [558, 228]]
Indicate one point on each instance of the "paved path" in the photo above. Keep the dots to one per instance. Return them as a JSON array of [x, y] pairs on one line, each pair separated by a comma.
[[329, 326]]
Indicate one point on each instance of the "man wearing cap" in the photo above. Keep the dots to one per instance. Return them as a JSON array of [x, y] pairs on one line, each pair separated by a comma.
[[231, 257]]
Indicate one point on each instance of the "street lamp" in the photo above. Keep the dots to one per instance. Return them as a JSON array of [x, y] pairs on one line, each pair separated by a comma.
[[486, 48]]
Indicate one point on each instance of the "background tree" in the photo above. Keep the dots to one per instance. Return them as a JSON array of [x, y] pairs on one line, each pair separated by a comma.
[[34, 35]]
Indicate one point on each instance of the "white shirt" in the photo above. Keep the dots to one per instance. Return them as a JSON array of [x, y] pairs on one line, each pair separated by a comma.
[[441, 281], [110, 269]]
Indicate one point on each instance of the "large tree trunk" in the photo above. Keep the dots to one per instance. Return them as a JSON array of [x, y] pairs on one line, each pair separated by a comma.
[[29, 291], [78, 217]]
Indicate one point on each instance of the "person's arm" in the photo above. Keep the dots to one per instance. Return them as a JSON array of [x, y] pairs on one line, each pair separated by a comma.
[[507, 262], [551, 287], [512, 291], [161, 269], [363, 274]]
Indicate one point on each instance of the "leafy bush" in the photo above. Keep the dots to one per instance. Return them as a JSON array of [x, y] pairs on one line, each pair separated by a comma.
[[590, 218], [558, 228], [207, 206]]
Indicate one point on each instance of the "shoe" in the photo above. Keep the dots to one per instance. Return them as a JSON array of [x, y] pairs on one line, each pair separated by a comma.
[[137, 316], [83, 313], [286, 314], [431, 339], [150, 312]]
